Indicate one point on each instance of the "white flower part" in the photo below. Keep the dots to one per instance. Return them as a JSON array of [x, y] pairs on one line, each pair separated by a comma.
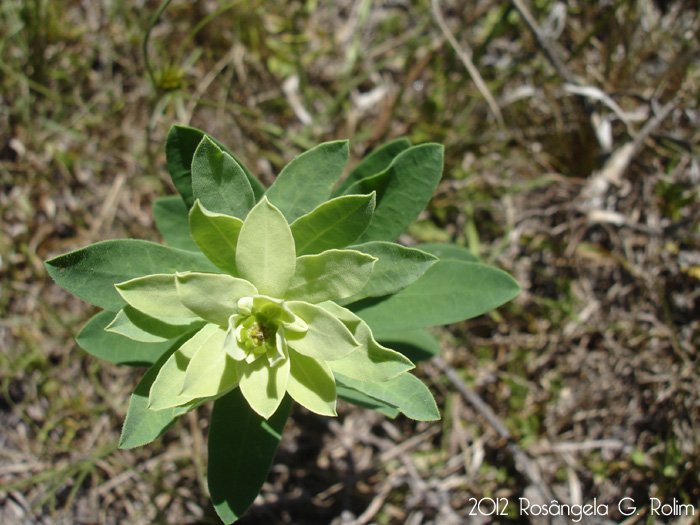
[[231, 346], [279, 352], [245, 305], [297, 325]]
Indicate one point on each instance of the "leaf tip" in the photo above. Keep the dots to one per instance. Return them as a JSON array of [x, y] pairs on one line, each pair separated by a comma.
[[206, 142], [124, 443]]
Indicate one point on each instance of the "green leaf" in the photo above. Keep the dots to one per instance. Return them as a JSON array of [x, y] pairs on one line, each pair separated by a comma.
[[403, 190], [265, 254], [115, 348], [263, 385], [143, 425], [374, 163], [376, 364], [91, 272], [326, 338], [170, 214], [370, 362], [336, 223], [166, 391], [138, 326], [123, 326], [307, 181], [417, 345], [216, 235], [448, 251], [364, 401], [179, 150], [180, 146], [210, 371], [406, 392], [396, 268], [155, 295], [449, 292], [242, 446], [219, 183], [213, 296], [311, 384], [333, 274]]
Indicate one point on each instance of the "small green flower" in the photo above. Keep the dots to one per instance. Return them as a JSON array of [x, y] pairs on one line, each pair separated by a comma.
[[269, 326]]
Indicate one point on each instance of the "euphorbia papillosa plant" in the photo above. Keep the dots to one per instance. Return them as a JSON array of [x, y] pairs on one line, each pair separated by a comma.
[[262, 297]]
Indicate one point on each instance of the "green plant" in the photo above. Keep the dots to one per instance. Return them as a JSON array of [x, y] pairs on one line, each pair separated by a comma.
[[264, 296]]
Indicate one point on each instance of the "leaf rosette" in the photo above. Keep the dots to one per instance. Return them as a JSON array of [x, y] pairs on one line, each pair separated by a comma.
[[264, 296]]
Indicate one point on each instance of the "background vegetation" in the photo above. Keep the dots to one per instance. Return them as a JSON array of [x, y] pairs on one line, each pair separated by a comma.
[[571, 133]]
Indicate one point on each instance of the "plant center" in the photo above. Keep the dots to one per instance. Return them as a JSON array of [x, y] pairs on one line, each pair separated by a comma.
[[259, 333]]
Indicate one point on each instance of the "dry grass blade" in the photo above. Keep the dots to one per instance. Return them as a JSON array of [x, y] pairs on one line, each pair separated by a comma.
[[466, 57]]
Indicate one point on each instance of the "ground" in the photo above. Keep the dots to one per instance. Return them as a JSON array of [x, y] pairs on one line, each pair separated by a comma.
[[571, 134]]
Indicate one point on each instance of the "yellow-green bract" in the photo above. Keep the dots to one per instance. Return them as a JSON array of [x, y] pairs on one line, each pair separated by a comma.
[[269, 330]]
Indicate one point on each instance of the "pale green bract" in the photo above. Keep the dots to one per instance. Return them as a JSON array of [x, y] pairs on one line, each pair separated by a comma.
[[266, 331]]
